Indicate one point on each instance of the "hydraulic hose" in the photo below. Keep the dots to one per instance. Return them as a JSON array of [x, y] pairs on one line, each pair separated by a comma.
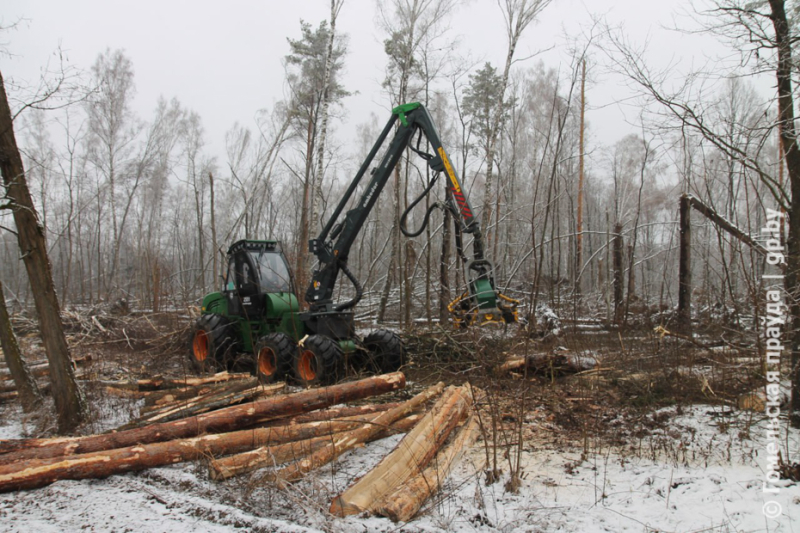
[[356, 284], [411, 206]]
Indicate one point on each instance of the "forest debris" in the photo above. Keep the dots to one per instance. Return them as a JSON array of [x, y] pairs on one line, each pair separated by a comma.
[[753, 401], [414, 452], [43, 369], [222, 420], [161, 383], [319, 436], [236, 393], [406, 501], [547, 362], [157, 399], [354, 438]]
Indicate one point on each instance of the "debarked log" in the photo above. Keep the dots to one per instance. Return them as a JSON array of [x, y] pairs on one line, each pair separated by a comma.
[[406, 501], [411, 455], [347, 441], [277, 454]]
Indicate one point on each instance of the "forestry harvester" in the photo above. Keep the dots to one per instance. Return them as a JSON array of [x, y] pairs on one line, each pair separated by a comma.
[[257, 312]]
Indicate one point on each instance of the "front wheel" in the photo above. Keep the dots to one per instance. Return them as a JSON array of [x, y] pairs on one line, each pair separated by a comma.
[[213, 343], [317, 360], [385, 351], [274, 353]]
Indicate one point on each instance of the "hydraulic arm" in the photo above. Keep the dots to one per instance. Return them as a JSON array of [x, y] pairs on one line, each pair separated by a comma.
[[483, 303]]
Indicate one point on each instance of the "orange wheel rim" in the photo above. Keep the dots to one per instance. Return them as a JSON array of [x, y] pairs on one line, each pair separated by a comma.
[[308, 365], [200, 345], [267, 362]]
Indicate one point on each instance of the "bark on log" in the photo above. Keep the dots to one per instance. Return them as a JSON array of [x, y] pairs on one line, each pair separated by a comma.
[[157, 399], [354, 438], [39, 370], [333, 412], [37, 473], [161, 383], [569, 362], [242, 463], [219, 421], [125, 393], [406, 501], [412, 454]]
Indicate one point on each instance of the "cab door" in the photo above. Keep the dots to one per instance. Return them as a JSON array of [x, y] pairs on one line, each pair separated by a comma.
[[243, 288]]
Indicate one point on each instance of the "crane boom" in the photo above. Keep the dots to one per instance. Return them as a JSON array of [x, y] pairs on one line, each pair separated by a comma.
[[332, 246]]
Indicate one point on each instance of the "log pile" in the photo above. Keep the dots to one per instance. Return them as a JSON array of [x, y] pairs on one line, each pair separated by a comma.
[[238, 426]]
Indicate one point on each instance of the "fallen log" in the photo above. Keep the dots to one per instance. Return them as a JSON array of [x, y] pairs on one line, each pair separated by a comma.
[[235, 393], [274, 455], [547, 362], [406, 501], [124, 393], [37, 473], [43, 369], [162, 383], [413, 453], [13, 394], [221, 420], [353, 438], [157, 399], [332, 413]]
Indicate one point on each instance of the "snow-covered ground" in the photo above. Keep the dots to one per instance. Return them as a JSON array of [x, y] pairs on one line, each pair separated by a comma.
[[702, 472]]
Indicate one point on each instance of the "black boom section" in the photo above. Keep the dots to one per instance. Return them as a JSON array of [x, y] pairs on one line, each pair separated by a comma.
[[332, 246]]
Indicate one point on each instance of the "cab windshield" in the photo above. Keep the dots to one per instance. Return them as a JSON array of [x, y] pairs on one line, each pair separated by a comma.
[[273, 273]]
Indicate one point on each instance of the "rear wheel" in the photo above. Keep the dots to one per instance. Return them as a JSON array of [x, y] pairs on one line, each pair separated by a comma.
[[385, 351], [213, 343], [317, 360], [274, 353]]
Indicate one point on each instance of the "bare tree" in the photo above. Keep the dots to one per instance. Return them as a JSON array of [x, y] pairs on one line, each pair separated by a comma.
[[518, 15], [762, 33]]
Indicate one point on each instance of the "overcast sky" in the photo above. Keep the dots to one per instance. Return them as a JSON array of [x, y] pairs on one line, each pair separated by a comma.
[[224, 59]]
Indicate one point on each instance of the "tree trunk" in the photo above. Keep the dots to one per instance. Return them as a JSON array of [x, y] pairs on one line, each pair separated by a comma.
[[792, 155], [618, 274], [685, 268], [226, 419], [26, 386], [69, 401], [444, 265]]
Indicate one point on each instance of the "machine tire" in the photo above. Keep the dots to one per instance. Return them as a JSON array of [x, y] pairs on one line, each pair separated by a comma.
[[213, 343], [385, 351], [273, 356], [316, 361]]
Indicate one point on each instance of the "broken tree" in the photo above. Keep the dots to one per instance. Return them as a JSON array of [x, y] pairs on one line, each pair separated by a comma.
[[69, 401]]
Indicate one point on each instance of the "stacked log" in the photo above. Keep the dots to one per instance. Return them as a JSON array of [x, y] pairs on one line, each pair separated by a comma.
[[231, 395], [407, 499], [75, 462], [354, 438], [413, 453], [219, 421], [274, 455]]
